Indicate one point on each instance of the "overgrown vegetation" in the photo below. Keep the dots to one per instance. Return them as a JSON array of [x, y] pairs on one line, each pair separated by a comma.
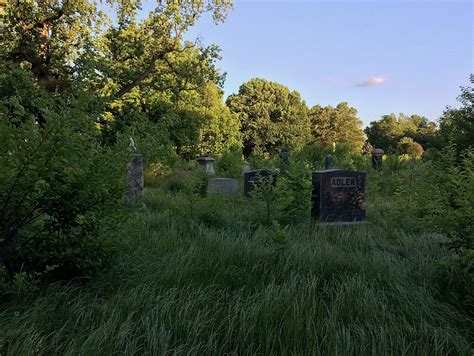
[[197, 273]]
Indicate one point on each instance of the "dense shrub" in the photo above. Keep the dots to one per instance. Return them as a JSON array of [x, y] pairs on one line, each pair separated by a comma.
[[230, 164], [60, 190]]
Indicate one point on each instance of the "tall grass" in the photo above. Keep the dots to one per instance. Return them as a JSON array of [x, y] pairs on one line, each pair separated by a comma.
[[208, 283]]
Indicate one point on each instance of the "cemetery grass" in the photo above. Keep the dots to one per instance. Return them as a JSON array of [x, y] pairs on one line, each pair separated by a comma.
[[193, 277]]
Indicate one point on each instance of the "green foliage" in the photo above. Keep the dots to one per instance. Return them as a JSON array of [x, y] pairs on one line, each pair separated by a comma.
[[455, 205], [437, 195], [270, 115], [59, 187], [220, 129], [457, 125], [230, 164], [75, 43], [224, 290], [387, 132], [284, 199], [190, 179], [338, 125], [409, 147]]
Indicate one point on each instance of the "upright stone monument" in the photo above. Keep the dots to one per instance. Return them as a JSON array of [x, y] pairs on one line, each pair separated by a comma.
[[226, 186], [377, 155], [135, 180], [245, 168], [256, 178], [338, 196], [328, 161], [207, 163], [284, 156]]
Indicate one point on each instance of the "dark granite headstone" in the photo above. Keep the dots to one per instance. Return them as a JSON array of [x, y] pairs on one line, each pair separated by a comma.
[[328, 162], [256, 178], [338, 196]]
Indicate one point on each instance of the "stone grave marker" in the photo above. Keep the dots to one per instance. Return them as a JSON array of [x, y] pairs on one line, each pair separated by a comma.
[[255, 178], [328, 162], [245, 168], [135, 180], [377, 155], [227, 186], [338, 196], [207, 163]]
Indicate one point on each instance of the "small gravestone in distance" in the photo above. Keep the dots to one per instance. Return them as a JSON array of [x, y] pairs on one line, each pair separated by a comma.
[[256, 178], [135, 181], [245, 168], [207, 163], [338, 196], [377, 155], [328, 162], [226, 186], [285, 158]]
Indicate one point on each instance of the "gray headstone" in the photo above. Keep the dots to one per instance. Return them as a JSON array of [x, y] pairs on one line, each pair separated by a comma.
[[226, 186], [245, 168], [338, 196], [256, 178], [207, 163], [135, 180], [377, 155]]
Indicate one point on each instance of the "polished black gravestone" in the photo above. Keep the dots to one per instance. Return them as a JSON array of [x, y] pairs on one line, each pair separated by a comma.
[[338, 196], [254, 179]]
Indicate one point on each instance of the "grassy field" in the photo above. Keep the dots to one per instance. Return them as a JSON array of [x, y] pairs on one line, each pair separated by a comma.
[[196, 279]]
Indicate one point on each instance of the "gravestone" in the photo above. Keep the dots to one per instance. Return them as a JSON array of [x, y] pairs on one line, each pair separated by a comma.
[[256, 178], [227, 186], [284, 158], [207, 163], [135, 180], [245, 168], [338, 196], [377, 155], [328, 161]]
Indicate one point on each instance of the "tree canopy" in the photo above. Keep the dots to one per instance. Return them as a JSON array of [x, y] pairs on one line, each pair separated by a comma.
[[387, 132], [64, 40], [331, 125], [457, 125], [270, 115]]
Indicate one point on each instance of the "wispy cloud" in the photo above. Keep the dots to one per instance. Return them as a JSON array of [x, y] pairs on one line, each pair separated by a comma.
[[374, 81]]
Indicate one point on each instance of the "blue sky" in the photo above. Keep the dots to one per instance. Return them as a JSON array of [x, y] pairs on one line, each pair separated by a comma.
[[379, 56], [406, 56]]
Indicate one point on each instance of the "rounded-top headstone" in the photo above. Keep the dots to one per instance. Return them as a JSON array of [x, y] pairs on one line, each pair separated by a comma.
[[328, 162]]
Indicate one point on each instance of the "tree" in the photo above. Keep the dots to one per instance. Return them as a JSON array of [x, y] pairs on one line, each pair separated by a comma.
[[337, 125], [457, 125], [387, 132], [220, 128], [409, 147], [67, 41], [59, 187], [270, 115]]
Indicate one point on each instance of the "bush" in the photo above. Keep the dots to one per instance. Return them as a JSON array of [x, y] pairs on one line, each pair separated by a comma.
[[156, 173], [60, 189], [229, 165]]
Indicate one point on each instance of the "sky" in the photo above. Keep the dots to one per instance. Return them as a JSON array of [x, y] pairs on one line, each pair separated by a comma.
[[381, 56]]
